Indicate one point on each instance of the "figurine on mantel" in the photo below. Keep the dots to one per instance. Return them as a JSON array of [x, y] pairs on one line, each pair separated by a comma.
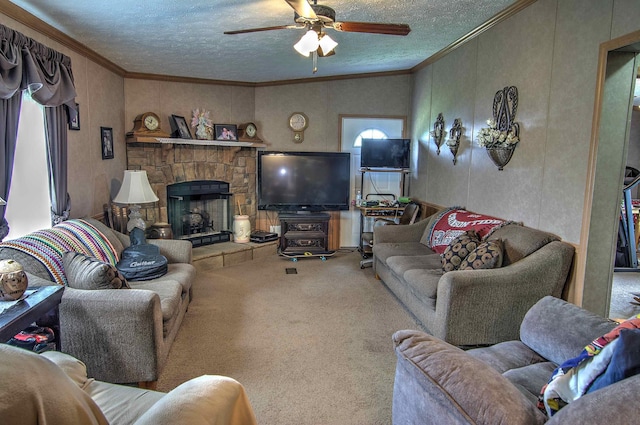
[[203, 124]]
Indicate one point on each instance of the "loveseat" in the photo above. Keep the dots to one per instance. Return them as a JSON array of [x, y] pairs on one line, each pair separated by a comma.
[[437, 383], [122, 335], [475, 306], [53, 388]]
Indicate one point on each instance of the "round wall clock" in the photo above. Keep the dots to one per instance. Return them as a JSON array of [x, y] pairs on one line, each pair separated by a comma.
[[298, 122]]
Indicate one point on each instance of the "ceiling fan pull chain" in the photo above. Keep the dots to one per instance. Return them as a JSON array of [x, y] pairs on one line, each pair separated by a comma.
[[315, 61]]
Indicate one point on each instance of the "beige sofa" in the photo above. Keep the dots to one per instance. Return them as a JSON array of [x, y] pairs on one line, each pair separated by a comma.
[[53, 388], [471, 307], [122, 335]]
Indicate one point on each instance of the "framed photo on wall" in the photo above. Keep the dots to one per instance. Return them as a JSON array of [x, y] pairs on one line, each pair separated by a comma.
[[179, 127], [106, 138], [74, 118], [226, 131]]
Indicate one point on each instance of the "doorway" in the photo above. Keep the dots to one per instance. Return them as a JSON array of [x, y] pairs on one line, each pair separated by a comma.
[[351, 127], [617, 72]]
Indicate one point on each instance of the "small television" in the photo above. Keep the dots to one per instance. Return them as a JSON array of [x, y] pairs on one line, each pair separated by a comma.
[[385, 153], [303, 181]]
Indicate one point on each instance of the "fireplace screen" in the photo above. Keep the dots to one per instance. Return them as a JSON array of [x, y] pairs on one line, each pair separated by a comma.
[[199, 211]]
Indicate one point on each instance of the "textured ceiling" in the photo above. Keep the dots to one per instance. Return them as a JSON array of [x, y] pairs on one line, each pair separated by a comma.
[[185, 38]]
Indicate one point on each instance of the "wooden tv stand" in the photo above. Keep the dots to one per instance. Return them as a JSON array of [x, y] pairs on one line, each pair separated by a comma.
[[306, 232]]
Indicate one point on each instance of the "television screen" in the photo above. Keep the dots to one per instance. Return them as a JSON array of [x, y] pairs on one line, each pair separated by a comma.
[[303, 181], [385, 153]]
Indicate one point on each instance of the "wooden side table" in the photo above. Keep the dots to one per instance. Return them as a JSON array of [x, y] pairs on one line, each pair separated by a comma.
[[24, 312]]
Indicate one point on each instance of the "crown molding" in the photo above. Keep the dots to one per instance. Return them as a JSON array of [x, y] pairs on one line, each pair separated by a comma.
[[493, 21], [25, 18]]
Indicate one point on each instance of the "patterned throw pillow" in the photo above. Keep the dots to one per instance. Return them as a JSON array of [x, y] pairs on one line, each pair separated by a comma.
[[459, 249], [488, 255], [85, 272]]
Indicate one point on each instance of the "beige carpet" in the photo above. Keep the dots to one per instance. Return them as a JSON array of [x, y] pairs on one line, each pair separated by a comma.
[[310, 348]]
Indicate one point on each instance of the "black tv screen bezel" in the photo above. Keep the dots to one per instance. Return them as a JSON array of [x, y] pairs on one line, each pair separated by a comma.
[[387, 162], [302, 207]]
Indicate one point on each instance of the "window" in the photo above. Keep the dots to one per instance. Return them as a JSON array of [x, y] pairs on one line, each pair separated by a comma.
[[370, 133], [28, 207]]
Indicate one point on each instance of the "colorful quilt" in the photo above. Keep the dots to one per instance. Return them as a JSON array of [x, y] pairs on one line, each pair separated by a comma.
[[49, 245], [455, 222]]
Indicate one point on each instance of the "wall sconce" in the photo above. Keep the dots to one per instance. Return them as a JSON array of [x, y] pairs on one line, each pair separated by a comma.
[[135, 190], [454, 138], [438, 132], [503, 134]]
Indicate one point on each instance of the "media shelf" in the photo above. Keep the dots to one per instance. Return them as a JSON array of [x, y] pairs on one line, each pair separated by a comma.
[[308, 232]]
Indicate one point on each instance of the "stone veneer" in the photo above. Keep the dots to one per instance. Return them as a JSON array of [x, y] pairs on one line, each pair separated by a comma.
[[174, 163]]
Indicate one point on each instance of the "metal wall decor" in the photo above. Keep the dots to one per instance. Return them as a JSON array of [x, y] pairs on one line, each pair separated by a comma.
[[454, 138], [503, 134], [438, 132]]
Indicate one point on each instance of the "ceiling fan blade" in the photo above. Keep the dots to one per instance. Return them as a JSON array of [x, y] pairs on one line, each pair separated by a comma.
[[371, 27], [279, 27], [302, 8]]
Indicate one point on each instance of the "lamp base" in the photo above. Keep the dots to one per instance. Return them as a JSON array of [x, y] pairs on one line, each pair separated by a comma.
[[135, 219]]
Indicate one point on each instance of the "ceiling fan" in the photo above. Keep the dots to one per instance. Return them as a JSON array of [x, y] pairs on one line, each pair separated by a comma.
[[315, 18]]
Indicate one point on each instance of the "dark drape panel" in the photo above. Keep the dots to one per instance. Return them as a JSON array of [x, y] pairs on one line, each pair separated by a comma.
[[56, 135], [26, 64], [9, 115]]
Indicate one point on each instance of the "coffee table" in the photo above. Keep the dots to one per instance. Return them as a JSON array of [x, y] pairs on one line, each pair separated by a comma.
[[41, 300]]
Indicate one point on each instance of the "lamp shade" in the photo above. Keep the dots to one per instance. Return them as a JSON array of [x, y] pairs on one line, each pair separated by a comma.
[[327, 44], [3, 202], [308, 43], [135, 189]]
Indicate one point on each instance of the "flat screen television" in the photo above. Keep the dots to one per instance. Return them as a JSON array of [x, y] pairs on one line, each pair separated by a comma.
[[303, 181], [385, 153]]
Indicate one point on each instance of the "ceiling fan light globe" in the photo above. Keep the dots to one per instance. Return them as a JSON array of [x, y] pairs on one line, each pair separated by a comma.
[[327, 44], [308, 43]]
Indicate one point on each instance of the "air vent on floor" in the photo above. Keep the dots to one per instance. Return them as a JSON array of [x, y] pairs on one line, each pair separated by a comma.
[[291, 270]]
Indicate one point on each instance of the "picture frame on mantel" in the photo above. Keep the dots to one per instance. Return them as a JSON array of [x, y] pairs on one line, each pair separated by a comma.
[[179, 127], [106, 139], [226, 132]]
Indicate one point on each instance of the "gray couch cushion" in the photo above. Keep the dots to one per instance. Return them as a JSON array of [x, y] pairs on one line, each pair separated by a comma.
[[530, 379], [169, 292], [85, 272], [401, 263], [423, 283], [540, 329], [507, 355], [520, 241], [383, 251]]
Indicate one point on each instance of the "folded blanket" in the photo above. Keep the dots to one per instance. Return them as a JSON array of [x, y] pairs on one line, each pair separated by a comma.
[[49, 245]]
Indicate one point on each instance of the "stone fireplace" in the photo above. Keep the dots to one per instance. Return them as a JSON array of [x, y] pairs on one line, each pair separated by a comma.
[[182, 162]]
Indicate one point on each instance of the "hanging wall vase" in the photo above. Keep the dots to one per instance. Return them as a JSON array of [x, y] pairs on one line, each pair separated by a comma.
[[500, 156], [438, 132], [503, 134], [454, 138]]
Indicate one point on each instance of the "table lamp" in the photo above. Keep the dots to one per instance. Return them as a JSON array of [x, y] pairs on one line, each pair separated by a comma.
[[135, 190]]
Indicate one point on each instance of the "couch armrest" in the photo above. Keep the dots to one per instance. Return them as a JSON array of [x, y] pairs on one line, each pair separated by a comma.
[[406, 233], [487, 306], [206, 400], [116, 333], [176, 251], [437, 383]]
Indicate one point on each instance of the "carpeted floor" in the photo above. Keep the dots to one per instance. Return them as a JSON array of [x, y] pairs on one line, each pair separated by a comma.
[[625, 286], [310, 348]]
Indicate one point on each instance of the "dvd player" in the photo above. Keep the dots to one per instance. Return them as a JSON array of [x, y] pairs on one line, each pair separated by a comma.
[[260, 236]]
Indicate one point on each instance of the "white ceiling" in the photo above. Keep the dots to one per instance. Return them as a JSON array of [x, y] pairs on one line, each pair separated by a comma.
[[184, 38]]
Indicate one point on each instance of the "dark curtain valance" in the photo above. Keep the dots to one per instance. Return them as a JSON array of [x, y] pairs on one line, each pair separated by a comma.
[[26, 64]]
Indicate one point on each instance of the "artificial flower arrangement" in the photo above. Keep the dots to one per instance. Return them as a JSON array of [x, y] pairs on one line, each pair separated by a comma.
[[202, 123], [491, 137]]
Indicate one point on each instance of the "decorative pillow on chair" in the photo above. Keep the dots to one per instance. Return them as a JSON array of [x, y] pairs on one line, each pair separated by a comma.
[[459, 249], [85, 272], [487, 255]]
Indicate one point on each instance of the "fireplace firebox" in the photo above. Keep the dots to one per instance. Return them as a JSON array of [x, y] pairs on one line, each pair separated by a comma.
[[200, 211]]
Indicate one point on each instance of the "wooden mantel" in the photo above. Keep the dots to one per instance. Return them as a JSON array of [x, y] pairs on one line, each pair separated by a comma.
[[178, 141]]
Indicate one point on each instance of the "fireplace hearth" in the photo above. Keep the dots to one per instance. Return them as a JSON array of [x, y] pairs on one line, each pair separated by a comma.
[[200, 211]]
